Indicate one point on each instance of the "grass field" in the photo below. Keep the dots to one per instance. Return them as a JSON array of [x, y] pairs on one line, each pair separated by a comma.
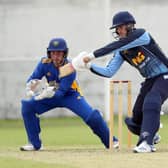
[[69, 143]]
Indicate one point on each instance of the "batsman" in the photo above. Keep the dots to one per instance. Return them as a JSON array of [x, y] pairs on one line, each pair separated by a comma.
[[62, 92], [138, 48]]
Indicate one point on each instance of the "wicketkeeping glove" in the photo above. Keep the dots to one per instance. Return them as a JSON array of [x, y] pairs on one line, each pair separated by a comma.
[[31, 87], [46, 93]]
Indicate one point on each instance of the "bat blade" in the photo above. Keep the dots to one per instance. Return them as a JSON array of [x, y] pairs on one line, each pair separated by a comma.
[[66, 70]]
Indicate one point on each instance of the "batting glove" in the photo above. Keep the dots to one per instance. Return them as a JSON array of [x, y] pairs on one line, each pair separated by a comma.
[[78, 62], [89, 57]]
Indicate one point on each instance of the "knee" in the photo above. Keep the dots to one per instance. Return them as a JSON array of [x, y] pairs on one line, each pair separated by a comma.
[[152, 101], [94, 119]]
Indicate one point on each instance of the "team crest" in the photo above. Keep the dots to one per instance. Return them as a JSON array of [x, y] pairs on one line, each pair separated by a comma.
[[55, 43]]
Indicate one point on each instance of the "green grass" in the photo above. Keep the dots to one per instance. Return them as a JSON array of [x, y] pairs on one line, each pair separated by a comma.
[[55, 132], [69, 143], [8, 162]]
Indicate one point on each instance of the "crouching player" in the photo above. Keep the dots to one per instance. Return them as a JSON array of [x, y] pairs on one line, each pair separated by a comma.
[[61, 92]]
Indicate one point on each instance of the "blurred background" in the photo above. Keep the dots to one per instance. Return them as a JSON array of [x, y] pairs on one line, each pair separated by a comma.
[[26, 27]]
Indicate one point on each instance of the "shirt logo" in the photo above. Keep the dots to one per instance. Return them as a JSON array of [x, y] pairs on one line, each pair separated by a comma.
[[138, 59], [48, 73]]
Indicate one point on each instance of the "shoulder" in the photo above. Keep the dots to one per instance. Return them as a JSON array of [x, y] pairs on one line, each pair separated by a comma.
[[46, 60], [133, 35], [137, 32]]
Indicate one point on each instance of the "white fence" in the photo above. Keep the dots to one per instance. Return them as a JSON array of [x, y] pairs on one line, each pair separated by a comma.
[[14, 73]]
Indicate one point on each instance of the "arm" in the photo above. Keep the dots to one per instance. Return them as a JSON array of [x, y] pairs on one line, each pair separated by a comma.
[[34, 80], [110, 69], [64, 86], [137, 38]]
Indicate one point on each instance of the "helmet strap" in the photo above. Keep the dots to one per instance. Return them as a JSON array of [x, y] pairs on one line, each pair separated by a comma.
[[48, 54], [115, 35]]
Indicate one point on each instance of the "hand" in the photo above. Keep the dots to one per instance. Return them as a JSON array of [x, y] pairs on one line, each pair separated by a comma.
[[86, 59], [78, 62], [29, 93], [46, 93], [31, 87], [32, 84], [89, 57]]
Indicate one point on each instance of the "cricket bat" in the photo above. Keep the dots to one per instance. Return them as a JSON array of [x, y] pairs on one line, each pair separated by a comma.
[[77, 64], [65, 70]]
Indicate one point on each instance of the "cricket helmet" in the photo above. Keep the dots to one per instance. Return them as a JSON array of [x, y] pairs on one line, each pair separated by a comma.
[[121, 18], [57, 44]]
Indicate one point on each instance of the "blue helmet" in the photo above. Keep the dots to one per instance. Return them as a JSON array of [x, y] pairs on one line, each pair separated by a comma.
[[121, 18], [57, 44]]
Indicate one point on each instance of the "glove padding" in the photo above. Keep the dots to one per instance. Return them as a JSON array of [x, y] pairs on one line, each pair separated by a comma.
[[29, 93], [32, 87], [78, 62], [46, 93]]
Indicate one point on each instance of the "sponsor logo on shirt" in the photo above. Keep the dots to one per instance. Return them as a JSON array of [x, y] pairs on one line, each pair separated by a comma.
[[138, 59]]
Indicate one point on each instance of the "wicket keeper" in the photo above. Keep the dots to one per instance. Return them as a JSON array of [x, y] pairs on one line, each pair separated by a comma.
[[60, 92]]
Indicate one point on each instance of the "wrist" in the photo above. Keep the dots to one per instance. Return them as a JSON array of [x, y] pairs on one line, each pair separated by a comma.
[[91, 56]]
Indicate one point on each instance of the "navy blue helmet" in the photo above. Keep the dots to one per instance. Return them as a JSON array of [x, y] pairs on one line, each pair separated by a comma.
[[57, 44], [121, 18]]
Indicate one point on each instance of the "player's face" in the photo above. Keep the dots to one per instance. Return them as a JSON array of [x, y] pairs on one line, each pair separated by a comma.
[[57, 57], [121, 31]]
